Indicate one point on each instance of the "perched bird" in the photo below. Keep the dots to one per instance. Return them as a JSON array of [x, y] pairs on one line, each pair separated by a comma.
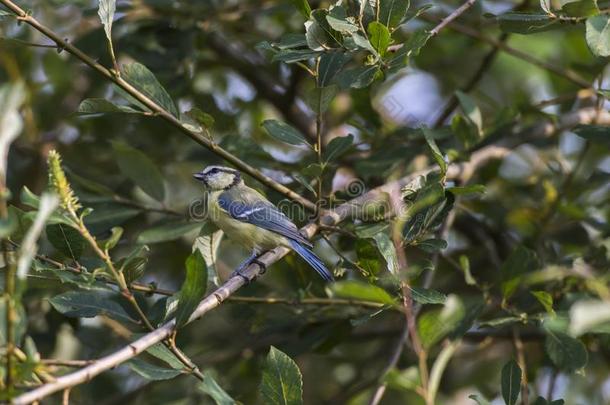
[[248, 218]]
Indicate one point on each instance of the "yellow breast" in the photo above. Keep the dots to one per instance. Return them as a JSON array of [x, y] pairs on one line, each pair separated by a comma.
[[248, 235]]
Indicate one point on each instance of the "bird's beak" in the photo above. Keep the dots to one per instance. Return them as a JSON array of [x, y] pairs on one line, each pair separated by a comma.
[[199, 176]]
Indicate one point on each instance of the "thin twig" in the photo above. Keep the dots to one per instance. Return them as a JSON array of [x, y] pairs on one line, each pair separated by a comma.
[[67, 363], [156, 108], [65, 399], [455, 14]]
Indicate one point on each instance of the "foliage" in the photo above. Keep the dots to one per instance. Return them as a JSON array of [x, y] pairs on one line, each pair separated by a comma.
[[478, 269]]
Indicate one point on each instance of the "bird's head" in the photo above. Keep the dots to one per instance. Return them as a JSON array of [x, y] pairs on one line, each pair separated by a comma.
[[217, 178]]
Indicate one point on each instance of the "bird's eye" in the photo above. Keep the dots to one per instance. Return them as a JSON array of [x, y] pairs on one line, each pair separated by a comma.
[[213, 171]]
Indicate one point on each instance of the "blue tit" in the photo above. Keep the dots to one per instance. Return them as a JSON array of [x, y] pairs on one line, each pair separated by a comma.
[[248, 218]]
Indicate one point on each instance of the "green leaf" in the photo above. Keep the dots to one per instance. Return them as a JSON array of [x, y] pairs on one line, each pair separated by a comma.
[[303, 7], [28, 198], [133, 267], [465, 266], [466, 190], [106, 12], [566, 352], [167, 231], [67, 240], [392, 12], [211, 387], [594, 133], [368, 256], [294, 55], [471, 110], [580, 8], [432, 245], [162, 352], [319, 98], [361, 291], [102, 106], [411, 47], [282, 383], [427, 296], [523, 23], [284, 132], [388, 251], [337, 146], [436, 152], [341, 25], [145, 81], [115, 235], [208, 245], [140, 169], [202, 118], [4, 14], [193, 288], [520, 261], [435, 324], [152, 372], [88, 304], [292, 40], [379, 37], [545, 299], [331, 64], [318, 33], [358, 77], [407, 379], [511, 382]]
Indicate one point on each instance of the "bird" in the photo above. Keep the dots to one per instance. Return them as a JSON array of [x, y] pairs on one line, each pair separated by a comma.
[[251, 220]]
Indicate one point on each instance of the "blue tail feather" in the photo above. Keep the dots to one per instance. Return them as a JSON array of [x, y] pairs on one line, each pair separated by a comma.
[[313, 260]]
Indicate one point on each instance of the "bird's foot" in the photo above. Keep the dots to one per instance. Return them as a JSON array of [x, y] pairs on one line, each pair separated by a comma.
[[263, 266], [239, 273]]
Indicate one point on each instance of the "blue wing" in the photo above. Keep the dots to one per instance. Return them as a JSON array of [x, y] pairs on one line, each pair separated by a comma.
[[260, 213]]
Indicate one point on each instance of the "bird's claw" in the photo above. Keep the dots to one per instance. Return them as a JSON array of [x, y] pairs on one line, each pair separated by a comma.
[[238, 273], [263, 266]]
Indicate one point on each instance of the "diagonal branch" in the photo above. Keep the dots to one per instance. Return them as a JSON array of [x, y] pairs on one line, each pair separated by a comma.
[[455, 14], [154, 107]]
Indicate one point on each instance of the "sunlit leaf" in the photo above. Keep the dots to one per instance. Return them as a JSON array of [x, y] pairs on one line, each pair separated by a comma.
[[282, 383], [284, 132], [211, 387], [361, 291], [145, 81], [152, 372], [193, 289]]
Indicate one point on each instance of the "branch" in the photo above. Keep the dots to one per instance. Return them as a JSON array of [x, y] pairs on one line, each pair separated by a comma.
[[455, 14], [154, 107]]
